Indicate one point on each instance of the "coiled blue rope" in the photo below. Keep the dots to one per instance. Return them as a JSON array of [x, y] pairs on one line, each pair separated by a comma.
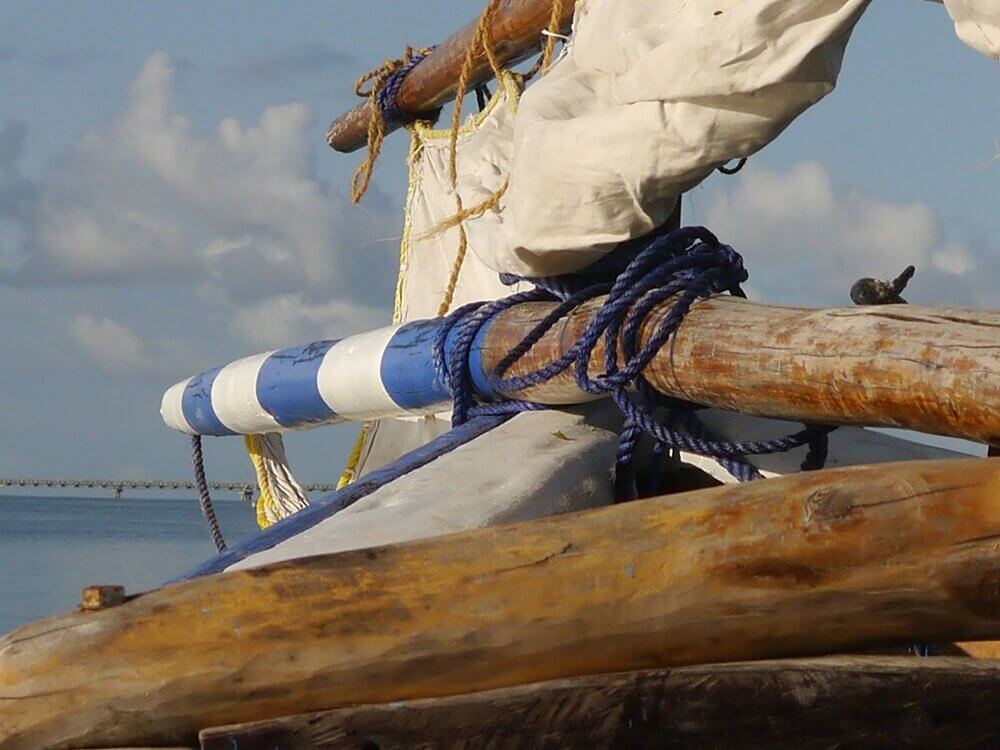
[[388, 93], [688, 264]]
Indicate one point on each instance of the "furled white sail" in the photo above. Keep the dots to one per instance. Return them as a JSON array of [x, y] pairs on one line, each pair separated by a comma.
[[650, 97], [977, 23]]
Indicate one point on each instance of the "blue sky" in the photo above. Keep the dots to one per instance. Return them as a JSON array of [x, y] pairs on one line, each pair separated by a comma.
[[167, 202]]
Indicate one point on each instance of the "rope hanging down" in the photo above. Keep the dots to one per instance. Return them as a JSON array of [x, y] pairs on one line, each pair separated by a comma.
[[204, 498], [690, 263], [386, 81]]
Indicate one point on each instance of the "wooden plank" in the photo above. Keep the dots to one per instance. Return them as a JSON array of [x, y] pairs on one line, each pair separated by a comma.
[[815, 563], [981, 649], [929, 369], [857, 702], [517, 32]]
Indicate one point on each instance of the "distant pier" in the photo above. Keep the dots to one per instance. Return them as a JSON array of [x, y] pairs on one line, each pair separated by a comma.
[[246, 490]]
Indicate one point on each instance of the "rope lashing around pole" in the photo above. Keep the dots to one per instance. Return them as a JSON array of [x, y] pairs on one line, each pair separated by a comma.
[[688, 263], [204, 498], [386, 82]]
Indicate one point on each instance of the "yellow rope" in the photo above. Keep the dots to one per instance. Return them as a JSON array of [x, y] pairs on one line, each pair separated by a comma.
[[463, 244], [266, 500], [543, 62], [350, 472], [472, 212], [482, 40], [376, 124]]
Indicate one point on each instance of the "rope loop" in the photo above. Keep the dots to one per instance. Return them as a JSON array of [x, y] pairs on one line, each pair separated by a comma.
[[684, 265], [382, 94]]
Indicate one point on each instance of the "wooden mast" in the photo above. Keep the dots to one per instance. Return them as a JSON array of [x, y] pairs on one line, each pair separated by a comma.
[[815, 563], [517, 32], [931, 369]]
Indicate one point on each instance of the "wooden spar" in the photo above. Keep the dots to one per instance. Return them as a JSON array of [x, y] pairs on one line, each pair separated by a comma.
[[517, 32], [931, 369], [819, 562], [858, 702]]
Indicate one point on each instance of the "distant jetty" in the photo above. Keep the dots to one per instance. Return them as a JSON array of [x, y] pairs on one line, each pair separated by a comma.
[[246, 490]]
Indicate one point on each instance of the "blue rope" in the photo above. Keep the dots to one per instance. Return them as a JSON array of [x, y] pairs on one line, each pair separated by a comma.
[[688, 263], [204, 498], [388, 93]]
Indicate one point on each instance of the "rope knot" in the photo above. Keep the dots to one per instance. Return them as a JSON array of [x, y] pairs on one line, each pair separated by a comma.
[[387, 93], [683, 266], [386, 81]]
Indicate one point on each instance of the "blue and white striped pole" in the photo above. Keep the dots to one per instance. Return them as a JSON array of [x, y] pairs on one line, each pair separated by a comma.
[[388, 372]]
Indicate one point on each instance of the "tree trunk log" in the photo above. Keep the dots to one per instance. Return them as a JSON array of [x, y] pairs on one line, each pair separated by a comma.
[[517, 32], [857, 702], [930, 369], [821, 562]]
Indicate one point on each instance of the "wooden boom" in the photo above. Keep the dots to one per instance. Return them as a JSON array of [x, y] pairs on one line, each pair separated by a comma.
[[930, 369], [814, 563], [848, 701], [517, 32]]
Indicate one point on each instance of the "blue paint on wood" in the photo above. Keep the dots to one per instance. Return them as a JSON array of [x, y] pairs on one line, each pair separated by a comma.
[[287, 386], [325, 507], [196, 403], [407, 367]]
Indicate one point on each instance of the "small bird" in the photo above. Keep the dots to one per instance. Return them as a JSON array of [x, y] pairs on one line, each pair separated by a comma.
[[869, 291]]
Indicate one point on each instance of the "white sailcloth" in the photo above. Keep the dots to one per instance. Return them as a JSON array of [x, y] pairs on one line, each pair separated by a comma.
[[977, 23], [427, 256]]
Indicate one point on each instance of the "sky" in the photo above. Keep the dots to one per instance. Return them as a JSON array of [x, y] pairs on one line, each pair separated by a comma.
[[168, 203]]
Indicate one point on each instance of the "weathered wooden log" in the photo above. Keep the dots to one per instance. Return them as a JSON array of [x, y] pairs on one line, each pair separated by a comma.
[[517, 33], [930, 369], [821, 562], [857, 702]]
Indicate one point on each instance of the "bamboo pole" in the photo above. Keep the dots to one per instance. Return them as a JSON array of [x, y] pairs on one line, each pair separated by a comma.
[[814, 563], [931, 369], [517, 31], [846, 701]]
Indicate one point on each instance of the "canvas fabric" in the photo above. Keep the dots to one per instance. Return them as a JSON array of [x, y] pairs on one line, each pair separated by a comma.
[[427, 256], [977, 23]]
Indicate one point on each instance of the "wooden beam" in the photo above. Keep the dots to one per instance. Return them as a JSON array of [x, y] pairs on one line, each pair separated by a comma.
[[820, 562], [517, 32], [857, 702], [931, 369]]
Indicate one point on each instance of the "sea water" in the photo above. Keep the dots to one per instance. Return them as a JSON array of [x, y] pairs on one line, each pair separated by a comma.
[[51, 548]]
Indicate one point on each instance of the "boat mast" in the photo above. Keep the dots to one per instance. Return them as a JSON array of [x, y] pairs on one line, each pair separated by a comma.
[[517, 33]]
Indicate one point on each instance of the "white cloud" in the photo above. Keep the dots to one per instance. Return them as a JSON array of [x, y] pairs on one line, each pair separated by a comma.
[[291, 319], [117, 350], [111, 345], [806, 240], [239, 209]]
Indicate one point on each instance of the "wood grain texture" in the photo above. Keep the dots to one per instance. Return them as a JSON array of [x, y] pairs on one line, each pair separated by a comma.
[[856, 702], [930, 369], [517, 31], [822, 562]]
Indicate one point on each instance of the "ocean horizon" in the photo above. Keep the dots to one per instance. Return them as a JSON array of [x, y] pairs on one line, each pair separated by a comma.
[[52, 547]]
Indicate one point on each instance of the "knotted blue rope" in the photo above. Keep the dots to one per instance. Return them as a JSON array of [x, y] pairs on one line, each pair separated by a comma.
[[388, 93], [688, 264]]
